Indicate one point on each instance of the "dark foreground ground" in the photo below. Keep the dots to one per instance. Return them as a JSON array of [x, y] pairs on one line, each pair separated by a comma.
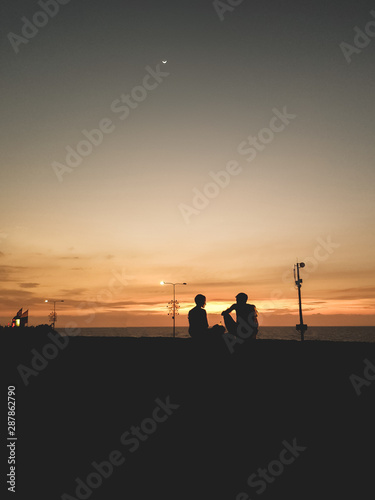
[[229, 417]]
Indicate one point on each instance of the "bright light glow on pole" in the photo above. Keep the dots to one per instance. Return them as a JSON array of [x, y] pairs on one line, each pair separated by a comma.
[[173, 303], [53, 315]]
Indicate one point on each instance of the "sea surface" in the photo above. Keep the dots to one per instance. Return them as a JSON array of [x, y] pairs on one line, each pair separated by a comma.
[[332, 333]]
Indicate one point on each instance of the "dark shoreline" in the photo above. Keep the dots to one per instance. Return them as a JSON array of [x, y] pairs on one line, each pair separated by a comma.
[[235, 411]]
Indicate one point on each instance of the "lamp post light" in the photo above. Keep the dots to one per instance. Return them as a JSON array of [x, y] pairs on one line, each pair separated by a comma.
[[54, 318], [173, 303], [301, 327]]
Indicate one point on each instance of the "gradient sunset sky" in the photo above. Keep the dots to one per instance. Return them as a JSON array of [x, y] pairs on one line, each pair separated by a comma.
[[103, 234]]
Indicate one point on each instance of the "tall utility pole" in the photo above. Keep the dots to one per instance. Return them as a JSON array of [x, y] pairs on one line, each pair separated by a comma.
[[53, 315], [173, 303], [301, 327]]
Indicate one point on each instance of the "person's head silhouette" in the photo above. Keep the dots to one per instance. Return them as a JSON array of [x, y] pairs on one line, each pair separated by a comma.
[[200, 300], [241, 298]]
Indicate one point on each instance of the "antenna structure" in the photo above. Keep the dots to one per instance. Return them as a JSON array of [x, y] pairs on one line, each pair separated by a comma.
[[301, 327]]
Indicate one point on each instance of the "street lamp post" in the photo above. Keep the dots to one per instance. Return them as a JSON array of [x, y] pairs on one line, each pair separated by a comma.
[[173, 303], [54, 319]]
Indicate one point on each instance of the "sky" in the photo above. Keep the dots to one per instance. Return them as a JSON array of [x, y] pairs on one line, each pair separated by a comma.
[[249, 149]]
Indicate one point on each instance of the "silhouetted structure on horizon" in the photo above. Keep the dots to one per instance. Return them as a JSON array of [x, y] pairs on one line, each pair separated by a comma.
[[20, 319], [301, 327]]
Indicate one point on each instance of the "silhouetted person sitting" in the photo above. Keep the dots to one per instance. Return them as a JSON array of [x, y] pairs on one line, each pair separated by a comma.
[[198, 324], [247, 318]]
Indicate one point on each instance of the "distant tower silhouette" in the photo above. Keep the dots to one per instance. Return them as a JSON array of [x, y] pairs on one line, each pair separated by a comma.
[[301, 327], [173, 305]]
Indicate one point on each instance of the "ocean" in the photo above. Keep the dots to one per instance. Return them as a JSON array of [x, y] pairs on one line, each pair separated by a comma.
[[331, 333]]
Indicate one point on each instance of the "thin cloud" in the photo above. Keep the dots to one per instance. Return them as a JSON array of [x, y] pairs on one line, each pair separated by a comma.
[[352, 293], [73, 291], [29, 285], [126, 303], [7, 272], [15, 298]]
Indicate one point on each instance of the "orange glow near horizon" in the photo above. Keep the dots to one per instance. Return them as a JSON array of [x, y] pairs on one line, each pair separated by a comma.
[[116, 296], [123, 288], [228, 166]]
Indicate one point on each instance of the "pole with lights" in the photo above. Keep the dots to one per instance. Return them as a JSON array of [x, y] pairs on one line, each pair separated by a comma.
[[301, 327], [173, 303], [54, 319]]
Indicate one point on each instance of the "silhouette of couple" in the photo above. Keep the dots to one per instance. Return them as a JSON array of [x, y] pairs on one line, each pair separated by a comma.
[[246, 324]]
